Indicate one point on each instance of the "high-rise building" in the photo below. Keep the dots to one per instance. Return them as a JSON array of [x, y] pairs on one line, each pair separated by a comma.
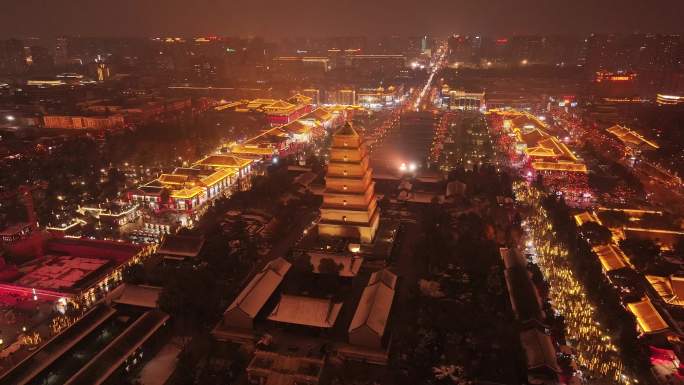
[[40, 59], [526, 49], [634, 52], [615, 85], [102, 71], [61, 54], [414, 45], [427, 43], [462, 50], [12, 57], [349, 207]]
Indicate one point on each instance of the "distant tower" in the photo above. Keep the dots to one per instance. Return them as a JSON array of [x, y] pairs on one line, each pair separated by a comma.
[[103, 72], [349, 204], [61, 53], [26, 195]]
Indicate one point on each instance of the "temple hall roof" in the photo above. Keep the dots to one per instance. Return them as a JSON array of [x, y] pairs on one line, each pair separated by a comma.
[[307, 311], [376, 302]]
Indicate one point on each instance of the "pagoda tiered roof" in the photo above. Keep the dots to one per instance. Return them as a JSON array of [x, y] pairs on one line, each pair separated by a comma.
[[349, 204], [346, 130]]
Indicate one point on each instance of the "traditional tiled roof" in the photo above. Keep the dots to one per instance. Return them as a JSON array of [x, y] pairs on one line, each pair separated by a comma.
[[186, 193], [539, 350], [533, 137], [558, 147], [296, 127], [220, 160], [586, 217], [190, 171], [320, 114], [139, 295], [611, 257], [274, 135], [523, 295], [299, 99], [173, 179], [670, 289], [307, 311], [180, 246], [376, 302], [525, 121], [560, 166], [548, 147], [647, 316], [631, 137], [217, 176], [285, 369], [260, 288], [253, 150], [541, 152], [280, 106], [258, 103]]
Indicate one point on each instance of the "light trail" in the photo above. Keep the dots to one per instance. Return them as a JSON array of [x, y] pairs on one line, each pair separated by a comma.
[[435, 68]]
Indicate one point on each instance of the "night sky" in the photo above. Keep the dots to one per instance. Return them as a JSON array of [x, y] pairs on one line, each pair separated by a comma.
[[288, 18]]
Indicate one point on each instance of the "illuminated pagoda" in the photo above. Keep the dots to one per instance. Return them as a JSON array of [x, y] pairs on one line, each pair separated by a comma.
[[349, 207]]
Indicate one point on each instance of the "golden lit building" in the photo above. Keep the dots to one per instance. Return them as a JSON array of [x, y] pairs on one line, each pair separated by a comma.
[[647, 316], [632, 141], [455, 99], [279, 112], [349, 205], [669, 100]]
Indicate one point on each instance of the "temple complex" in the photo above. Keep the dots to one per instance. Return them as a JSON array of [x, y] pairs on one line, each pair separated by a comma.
[[349, 207]]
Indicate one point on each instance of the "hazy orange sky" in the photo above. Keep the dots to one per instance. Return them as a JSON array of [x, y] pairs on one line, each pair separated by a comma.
[[274, 18]]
